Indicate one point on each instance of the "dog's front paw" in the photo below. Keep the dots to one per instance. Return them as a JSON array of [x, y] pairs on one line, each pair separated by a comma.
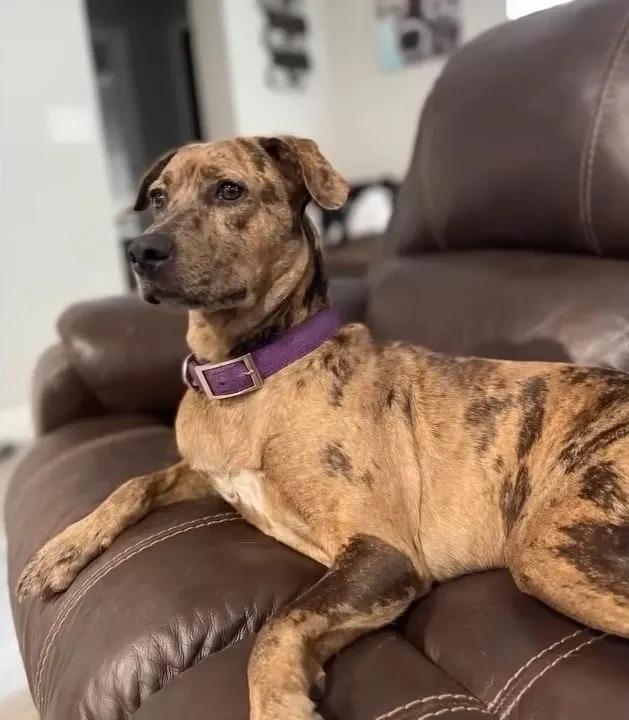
[[53, 568]]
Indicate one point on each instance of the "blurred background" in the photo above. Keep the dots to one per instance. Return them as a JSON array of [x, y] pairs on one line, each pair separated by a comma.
[[92, 91]]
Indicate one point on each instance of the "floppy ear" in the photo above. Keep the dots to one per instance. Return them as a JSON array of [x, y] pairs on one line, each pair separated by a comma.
[[325, 185], [142, 199]]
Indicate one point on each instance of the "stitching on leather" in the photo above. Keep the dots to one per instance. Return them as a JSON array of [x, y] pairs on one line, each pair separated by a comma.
[[96, 442], [112, 564], [429, 698], [527, 664], [544, 670], [589, 150], [456, 708]]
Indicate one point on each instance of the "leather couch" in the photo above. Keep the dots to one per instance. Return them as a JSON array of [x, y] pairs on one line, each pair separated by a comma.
[[510, 239]]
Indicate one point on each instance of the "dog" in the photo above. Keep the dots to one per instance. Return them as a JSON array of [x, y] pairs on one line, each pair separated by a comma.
[[393, 466]]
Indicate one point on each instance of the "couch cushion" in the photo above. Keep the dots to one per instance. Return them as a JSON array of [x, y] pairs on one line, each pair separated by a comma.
[[379, 677], [507, 304], [383, 677], [524, 660]]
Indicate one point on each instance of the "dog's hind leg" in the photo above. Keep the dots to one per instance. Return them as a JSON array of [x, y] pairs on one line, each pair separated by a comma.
[[574, 553], [53, 568], [369, 585]]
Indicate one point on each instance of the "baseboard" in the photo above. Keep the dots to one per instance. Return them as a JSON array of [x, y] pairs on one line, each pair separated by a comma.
[[16, 424]]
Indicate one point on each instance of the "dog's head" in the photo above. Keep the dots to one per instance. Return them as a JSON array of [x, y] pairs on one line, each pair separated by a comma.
[[228, 219]]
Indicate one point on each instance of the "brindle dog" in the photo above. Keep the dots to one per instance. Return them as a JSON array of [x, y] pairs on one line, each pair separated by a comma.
[[393, 466]]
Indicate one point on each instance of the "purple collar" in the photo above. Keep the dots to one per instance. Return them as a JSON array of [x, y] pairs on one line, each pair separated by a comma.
[[248, 372]]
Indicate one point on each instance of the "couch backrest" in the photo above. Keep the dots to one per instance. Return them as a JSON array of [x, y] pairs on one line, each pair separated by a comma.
[[510, 236], [524, 140], [507, 304]]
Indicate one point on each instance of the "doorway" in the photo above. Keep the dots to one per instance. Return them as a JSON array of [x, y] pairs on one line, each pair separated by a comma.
[[144, 69]]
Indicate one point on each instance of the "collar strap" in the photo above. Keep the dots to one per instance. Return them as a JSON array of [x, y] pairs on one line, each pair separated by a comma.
[[248, 372]]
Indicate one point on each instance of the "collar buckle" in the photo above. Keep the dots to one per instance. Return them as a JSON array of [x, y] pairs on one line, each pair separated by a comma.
[[199, 374]]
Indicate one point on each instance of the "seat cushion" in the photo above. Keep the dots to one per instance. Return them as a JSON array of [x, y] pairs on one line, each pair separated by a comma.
[[379, 676], [522, 659]]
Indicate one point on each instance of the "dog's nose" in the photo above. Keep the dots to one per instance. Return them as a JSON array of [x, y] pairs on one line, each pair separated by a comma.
[[148, 252]]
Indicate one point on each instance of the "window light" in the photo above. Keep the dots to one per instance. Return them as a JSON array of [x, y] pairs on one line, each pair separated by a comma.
[[518, 8]]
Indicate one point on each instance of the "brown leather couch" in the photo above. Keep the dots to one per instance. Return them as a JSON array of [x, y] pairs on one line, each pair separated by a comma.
[[510, 239]]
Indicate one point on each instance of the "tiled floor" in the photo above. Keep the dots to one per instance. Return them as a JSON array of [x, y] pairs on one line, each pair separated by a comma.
[[15, 700]]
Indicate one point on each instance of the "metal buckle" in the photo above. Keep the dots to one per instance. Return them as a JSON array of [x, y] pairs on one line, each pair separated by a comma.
[[251, 370], [184, 371]]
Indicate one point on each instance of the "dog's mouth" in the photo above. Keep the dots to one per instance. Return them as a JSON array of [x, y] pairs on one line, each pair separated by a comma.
[[156, 294]]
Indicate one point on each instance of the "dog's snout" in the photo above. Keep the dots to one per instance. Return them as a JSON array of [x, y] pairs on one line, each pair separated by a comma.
[[148, 252]]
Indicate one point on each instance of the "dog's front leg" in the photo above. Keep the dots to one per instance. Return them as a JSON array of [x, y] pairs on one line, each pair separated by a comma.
[[53, 568], [369, 585]]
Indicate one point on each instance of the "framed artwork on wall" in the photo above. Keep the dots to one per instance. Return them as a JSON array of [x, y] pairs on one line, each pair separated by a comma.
[[285, 37], [411, 31]]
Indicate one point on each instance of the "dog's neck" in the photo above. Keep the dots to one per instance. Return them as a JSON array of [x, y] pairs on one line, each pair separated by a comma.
[[227, 334]]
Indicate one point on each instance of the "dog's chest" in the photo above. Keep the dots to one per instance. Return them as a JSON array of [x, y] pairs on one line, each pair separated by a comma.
[[230, 449], [217, 438], [244, 490], [253, 494]]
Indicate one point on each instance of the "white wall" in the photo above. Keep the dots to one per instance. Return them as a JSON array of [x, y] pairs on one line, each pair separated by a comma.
[[56, 231], [376, 112], [212, 70], [260, 109], [245, 105], [364, 118]]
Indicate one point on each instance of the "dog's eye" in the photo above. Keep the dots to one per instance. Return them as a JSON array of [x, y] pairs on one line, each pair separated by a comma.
[[229, 191], [158, 199]]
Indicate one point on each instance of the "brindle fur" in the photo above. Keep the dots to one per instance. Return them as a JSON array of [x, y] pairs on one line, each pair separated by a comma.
[[391, 465]]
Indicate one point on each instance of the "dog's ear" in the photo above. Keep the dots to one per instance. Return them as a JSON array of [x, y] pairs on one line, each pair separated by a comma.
[[142, 199], [325, 185]]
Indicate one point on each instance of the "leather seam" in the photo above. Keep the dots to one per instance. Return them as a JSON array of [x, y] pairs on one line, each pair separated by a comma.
[[590, 148], [102, 572], [456, 708], [544, 670], [499, 695], [453, 697]]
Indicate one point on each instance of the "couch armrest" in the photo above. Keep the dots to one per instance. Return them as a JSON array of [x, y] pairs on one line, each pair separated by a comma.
[[58, 395], [128, 353]]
